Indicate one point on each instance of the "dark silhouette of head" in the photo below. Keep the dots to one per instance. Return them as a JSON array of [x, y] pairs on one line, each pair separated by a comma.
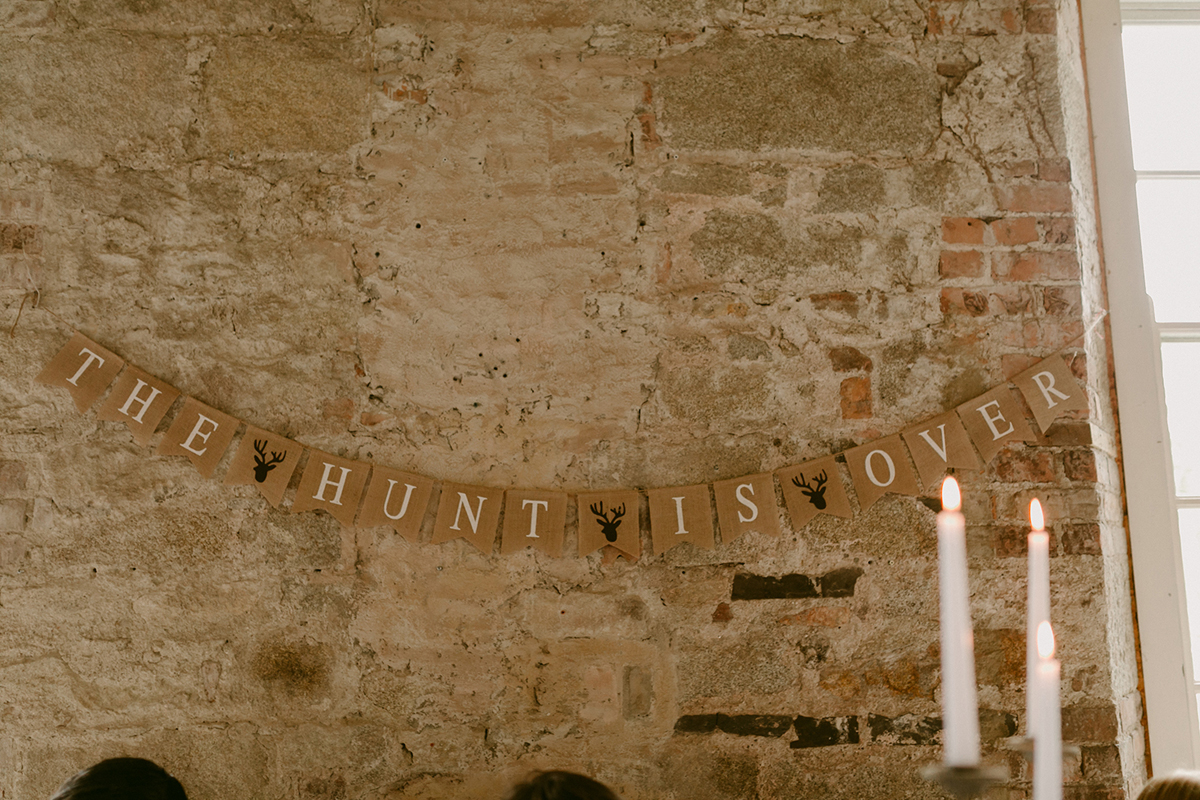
[[557, 785], [121, 779], [1180, 785]]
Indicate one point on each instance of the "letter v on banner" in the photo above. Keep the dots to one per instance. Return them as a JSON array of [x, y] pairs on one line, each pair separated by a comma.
[[678, 515], [937, 445], [83, 368], [468, 512], [1050, 390], [140, 400], [398, 499], [333, 484]]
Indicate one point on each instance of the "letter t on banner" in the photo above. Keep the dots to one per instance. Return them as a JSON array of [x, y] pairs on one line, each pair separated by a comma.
[[333, 484], [83, 368], [682, 514], [534, 519]]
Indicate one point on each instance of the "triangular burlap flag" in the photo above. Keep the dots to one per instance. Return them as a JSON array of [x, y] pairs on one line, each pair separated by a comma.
[[609, 518], [398, 499], [937, 445], [814, 487], [534, 519], [681, 514], [140, 400], [200, 433], [993, 420], [880, 467], [266, 461], [83, 368], [1050, 389], [332, 484], [468, 512], [747, 504]]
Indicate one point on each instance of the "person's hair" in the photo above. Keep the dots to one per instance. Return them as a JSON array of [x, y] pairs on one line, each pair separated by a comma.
[[558, 785], [1180, 785], [121, 779]]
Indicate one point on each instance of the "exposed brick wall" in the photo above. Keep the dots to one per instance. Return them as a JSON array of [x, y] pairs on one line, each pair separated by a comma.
[[543, 245]]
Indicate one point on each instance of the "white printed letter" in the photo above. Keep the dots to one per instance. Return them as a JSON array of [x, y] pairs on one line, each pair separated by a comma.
[[747, 503], [197, 434], [679, 514], [941, 451], [991, 421], [403, 506], [890, 465], [341, 484], [73, 380], [133, 398], [1048, 389], [464, 503], [533, 516]]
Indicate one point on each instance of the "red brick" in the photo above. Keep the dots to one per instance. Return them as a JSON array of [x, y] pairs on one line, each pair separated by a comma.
[[848, 359], [856, 398], [1019, 169], [1059, 230], [649, 133], [341, 408], [1080, 465], [844, 302], [1015, 230], [1080, 539], [1041, 20], [1030, 465], [1055, 169], [1008, 541], [1089, 724], [1035, 266], [1067, 434], [1063, 301], [1011, 20], [962, 230], [961, 264], [1014, 300], [723, 613], [962, 301], [1036, 197]]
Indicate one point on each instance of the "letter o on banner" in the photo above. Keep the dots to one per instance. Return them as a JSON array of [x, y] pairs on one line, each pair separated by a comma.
[[891, 468]]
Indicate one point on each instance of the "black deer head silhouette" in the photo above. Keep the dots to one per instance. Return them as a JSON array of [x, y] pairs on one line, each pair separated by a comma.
[[608, 526], [261, 465], [815, 494]]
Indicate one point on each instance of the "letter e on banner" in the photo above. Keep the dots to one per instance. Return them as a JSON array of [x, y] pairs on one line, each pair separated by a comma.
[[1050, 390], [200, 433], [747, 504], [140, 400], [468, 512], [333, 484], [993, 420], [83, 368], [610, 518], [879, 467], [814, 487], [678, 515], [266, 461], [534, 519], [398, 499], [937, 445]]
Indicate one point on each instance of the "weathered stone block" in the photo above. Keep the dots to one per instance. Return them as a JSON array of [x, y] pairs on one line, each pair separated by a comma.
[[907, 729]]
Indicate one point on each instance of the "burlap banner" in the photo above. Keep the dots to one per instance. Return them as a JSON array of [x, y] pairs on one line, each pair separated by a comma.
[[369, 495]]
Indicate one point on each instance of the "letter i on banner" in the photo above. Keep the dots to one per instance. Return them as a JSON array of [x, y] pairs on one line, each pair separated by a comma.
[[534, 519], [266, 461], [879, 467], [747, 504], [939, 444], [140, 400], [678, 515], [610, 518], [993, 420], [1050, 390], [83, 368], [398, 499], [468, 512], [333, 484], [200, 433]]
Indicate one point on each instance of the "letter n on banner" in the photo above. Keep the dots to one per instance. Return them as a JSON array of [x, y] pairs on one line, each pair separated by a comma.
[[140, 400], [993, 420], [398, 499], [83, 368], [937, 445], [610, 518], [747, 504], [879, 467], [814, 487], [333, 484], [469, 512], [682, 514], [201, 433], [1050, 389], [266, 461], [534, 519]]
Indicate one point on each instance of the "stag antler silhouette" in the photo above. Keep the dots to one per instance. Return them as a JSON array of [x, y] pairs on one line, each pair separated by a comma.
[[608, 526], [815, 494], [261, 465]]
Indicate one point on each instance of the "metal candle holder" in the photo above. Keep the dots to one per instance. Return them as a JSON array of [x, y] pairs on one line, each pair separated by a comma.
[[1024, 746], [965, 782]]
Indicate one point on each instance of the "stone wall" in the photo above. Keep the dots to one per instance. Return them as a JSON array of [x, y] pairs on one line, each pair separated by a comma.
[[545, 245]]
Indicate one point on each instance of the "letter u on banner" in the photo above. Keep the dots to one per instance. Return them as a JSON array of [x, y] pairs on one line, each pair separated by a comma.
[[678, 515], [879, 467], [468, 512], [333, 484], [398, 499]]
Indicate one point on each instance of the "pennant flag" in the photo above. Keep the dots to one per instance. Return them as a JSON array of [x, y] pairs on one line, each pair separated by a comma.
[[470, 512], [140, 400], [398, 499], [1050, 389], [879, 467], [333, 484], [937, 445], [814, 487], [747, 504], [681, 514], [265, 460], [201, 433], [534, 519], [83, 368], [993, 420], [609, 518]]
